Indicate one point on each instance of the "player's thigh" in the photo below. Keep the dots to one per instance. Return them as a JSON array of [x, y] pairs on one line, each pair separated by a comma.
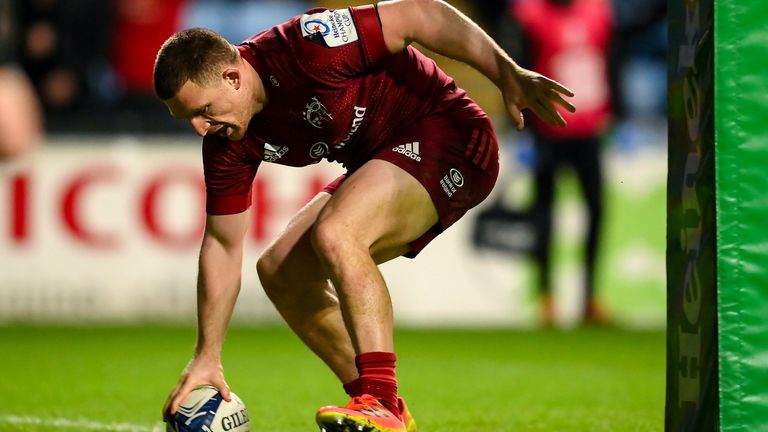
[[455, 158], [380, 206], [289, 258]]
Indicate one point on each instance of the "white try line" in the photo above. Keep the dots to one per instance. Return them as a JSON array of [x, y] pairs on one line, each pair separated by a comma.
[[76, 424]]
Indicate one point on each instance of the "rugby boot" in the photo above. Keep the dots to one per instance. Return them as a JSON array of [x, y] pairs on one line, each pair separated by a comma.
[[362, 414], [408, 421]]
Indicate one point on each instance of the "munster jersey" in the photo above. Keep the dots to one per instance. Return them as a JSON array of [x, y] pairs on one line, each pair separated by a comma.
[[334, 92]]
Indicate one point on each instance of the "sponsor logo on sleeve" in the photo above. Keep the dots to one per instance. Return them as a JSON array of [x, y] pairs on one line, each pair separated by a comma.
[[333, 27]]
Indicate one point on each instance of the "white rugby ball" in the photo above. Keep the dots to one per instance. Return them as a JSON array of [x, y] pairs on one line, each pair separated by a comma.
[[204, 410]]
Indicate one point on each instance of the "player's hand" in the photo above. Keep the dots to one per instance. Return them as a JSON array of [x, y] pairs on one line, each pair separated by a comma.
[[200, 371], [527, 89]]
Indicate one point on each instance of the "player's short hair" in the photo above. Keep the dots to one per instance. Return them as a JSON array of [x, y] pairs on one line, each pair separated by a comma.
[[195, 55]]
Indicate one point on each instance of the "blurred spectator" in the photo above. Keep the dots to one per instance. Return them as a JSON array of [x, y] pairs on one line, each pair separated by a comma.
[[140, 27], [20, 118], [91, 60], [568, 40], [62, 47]]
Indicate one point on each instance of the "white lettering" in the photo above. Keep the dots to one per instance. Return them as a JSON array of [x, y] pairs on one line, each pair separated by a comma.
[[356, 122], [687, 52], [408, 153], [341, 28], [689, 331]]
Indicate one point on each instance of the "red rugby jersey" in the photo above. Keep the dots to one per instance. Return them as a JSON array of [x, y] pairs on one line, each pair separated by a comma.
[[335, 92]]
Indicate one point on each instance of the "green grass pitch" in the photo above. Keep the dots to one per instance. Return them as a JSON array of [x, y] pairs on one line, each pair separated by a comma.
[[116, 378]]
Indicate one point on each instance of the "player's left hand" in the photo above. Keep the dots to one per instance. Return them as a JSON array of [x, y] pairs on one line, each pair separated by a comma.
[[530, 90]]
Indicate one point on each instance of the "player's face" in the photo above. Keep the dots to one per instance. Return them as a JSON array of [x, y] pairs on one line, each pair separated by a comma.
[[220, 108]]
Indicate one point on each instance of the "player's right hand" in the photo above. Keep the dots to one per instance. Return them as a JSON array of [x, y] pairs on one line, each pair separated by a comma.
[[201, 370], [530, 90]]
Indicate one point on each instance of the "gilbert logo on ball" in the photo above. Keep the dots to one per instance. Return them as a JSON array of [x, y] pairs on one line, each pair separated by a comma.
[[204, 410]]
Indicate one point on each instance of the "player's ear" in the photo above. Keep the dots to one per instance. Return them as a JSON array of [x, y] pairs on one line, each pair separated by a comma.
[[232, 76]]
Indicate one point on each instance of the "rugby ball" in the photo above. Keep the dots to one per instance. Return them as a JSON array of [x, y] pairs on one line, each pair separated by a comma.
[[204, 410]]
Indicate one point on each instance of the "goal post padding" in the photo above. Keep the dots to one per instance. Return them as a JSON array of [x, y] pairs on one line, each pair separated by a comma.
[[741, 155], [717, 217]]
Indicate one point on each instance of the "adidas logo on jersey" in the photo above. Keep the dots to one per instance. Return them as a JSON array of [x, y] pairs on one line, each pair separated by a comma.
[[274, 152], [410, 150]]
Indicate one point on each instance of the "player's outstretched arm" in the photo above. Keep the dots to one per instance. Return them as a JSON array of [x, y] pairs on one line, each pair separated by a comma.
[[218, 284], [443, 29]]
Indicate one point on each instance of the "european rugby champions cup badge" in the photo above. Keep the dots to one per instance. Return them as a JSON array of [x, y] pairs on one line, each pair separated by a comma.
[[331, 28]]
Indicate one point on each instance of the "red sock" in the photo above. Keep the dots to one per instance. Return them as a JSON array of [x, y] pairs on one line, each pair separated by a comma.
[[377, 377], [353, 388]]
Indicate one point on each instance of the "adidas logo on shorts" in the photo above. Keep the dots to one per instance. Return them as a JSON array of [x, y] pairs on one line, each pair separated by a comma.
[[410, 150]]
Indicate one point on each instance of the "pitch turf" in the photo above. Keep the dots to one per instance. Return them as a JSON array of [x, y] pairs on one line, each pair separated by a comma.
[[116, 379]]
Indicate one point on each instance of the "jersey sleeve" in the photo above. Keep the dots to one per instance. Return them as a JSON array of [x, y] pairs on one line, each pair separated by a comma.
[[229, 170], [371, 34], [335, 45]]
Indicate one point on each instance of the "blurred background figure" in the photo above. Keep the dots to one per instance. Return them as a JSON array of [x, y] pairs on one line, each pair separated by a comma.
[[138, 25], [570, 41], [20, 117], [91, 60], [613, 54], [62, 46]]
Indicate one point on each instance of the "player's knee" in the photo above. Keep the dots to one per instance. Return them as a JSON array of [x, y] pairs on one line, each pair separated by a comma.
[[329, 241], [268, 269], [323, 240]]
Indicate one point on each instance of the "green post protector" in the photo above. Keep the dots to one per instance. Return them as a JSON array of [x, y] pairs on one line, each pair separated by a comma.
[[717, 213], [741, 155]]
